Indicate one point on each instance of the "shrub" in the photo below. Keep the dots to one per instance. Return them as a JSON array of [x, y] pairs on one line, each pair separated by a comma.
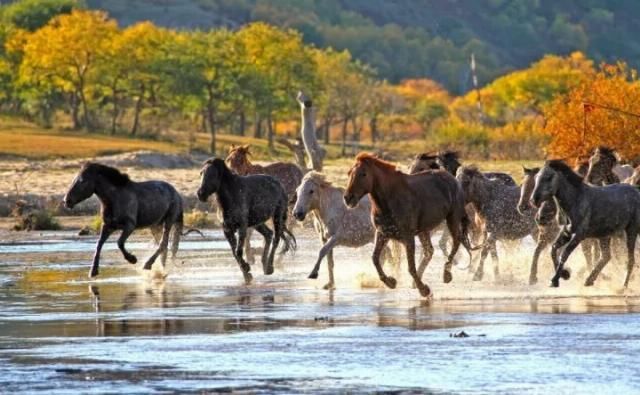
[[36, 219], [197, 219]]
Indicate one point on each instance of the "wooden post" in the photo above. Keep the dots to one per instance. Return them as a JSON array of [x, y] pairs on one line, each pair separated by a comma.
[[314, 150]]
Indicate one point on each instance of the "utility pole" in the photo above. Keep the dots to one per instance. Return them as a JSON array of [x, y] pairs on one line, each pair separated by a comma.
[[474, 77]]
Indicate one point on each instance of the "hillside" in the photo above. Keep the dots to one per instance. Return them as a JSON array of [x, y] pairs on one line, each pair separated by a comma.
[[421, 38]]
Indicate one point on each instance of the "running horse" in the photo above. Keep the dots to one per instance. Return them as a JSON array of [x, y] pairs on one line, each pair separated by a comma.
[[407, 205]]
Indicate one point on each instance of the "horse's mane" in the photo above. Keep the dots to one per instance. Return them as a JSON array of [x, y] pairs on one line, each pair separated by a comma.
[[471, 171], [449, 154], [317, 178], [426, 156], [112, 174], [371, 158], [219, 164], [561, 167], [607, 152]]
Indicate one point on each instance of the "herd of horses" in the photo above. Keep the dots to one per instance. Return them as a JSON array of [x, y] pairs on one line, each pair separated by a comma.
[[590, 205]]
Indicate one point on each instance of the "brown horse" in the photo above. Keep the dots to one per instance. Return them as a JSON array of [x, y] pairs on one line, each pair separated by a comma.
[[288, 174], [403, 206]]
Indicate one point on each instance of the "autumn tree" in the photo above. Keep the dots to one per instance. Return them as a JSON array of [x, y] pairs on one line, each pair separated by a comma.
[[64, 54], [603, 110]]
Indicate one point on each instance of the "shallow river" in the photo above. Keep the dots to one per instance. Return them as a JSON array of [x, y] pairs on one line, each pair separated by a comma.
[[201, 330]]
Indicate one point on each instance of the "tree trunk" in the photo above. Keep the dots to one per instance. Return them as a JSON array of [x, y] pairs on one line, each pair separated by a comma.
[[345, 125], [242, 124], [136, 112], [75, 110], [308, 131], [373, 125], [212, 122], [257, 126], [327, 130], [270, 131], [116, 111], [298, 151], [85, 106]]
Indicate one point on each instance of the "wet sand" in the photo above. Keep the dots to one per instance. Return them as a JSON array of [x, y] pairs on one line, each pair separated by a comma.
[[201, 329]]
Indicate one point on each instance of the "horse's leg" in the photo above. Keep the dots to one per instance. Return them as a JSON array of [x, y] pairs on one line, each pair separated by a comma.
[[105, 232], [380, 242], [129, 227], [454, 224], [331, 284], [563, 238], [230, 234], [605, 256], [410, 246], [156, 232], [279, 223], [483, 255], [326, 248], [162, 248], [574, 240], [427, 251], [587, 252], [632, 234], [494, 258], [267, 233], [444, 239], [248, 252], [543, 242]]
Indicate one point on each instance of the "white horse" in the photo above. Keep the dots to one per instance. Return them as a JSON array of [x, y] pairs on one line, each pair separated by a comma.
[[335, 223]]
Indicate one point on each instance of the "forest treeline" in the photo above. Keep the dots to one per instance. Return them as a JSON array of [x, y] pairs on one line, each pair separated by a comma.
[[64, 65], [416, 38]]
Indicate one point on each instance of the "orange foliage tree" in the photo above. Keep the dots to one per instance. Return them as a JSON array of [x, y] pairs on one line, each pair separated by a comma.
[[599, 111]]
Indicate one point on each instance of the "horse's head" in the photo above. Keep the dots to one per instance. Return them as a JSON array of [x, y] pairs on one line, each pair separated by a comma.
[[526, 189], [360, 183], [210, 178], [546, 183], [449, 160], [238, 159], [423, 162], [308, 194], [601, 164], [82, 187], [470, 180]]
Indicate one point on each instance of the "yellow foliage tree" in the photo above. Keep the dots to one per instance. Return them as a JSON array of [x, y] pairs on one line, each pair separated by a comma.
[[65, 53], [599, 111]]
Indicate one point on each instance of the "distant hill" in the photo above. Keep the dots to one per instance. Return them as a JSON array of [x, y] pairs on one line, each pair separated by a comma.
[[422, 38]]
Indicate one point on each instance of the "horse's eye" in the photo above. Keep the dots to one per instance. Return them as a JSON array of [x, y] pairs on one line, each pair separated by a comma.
[[311, 192], [363, 174]]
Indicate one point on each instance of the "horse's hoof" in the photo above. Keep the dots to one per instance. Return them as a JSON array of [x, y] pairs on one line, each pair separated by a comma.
[[589, 282], [93, 273], [131, 259], [425, 292], [478, 276], [565, 274], [390, 282], [447, 277], [147, 266], [329, 287], [313, 275], [248, 278], [533, 281], [555, 283], [268, 270]]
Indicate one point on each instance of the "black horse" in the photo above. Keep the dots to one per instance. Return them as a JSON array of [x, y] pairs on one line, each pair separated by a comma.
[[247, 201], [598, 212], [129, 205]]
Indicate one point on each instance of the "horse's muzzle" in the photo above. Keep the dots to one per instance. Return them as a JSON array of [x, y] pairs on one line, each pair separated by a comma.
[[201, 195], [350, 200], [299, 215], [67, 203]]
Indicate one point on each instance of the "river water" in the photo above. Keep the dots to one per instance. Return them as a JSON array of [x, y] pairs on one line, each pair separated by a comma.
[[202, 330]]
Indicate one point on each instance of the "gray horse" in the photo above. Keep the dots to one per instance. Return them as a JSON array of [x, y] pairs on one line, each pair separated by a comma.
[[497, 204], [546, 218], [247, 201], [591, 211], [336, 224], [450, 160], [128, 205]]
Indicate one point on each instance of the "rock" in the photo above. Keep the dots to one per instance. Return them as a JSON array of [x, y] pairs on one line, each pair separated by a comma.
[[459, 334]]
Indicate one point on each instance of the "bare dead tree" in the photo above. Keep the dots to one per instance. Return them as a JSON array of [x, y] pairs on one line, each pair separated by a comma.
[[312, 147]]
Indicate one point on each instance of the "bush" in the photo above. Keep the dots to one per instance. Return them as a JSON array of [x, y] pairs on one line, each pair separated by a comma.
[[36, 219], [197, 219]]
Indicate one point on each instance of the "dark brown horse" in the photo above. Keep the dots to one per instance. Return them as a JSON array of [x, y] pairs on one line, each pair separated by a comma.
[[288, 174], [404, 206]]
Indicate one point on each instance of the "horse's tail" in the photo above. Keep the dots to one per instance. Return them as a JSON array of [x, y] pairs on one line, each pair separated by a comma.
[[465, 240], [177, 233], [290, 242]]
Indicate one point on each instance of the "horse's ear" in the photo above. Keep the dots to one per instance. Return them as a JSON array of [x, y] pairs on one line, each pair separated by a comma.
[[525, 170]]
